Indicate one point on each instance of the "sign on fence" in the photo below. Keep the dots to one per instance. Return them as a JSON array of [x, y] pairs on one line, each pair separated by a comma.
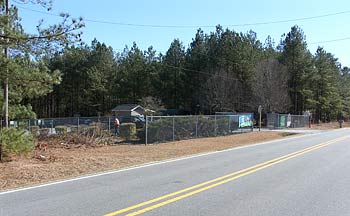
[[245, 120], [282, 121]]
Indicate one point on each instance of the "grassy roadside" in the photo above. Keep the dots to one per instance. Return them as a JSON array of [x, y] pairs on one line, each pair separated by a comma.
[[330, 125], [67, 163]]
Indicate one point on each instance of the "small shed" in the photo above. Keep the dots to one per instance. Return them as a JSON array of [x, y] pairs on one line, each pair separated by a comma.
[[129, 110]]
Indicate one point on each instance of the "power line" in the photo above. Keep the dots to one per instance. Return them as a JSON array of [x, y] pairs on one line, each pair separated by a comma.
[[194, 26], [211, 26], [330, 41]]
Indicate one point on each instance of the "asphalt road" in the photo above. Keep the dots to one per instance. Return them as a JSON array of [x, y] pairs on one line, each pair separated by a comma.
[[308, 175]]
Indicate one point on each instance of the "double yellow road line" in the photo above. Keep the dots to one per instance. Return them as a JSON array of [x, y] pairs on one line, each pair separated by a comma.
[[190, 191]]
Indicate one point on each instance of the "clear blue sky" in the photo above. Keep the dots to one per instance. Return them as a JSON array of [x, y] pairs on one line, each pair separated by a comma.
[[203, 13]]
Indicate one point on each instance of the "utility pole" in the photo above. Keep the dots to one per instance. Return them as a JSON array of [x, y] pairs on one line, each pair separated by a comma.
[[6, 84]]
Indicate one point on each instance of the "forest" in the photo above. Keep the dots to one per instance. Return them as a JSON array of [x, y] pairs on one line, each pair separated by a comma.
[[220, 71], [55, 74]]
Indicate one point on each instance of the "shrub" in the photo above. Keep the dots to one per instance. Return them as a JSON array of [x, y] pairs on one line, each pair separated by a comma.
[[16, 142], [92, 131], [82, 128], [73, 129], [160, 130], [141, 134], [44, 131], [61, 130], [106, 133], [23, 125], [95, 129], [34, 130], [127, 131], [187, 127]]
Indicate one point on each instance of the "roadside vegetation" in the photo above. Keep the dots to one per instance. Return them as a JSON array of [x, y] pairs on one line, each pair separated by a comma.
[[15, 142]]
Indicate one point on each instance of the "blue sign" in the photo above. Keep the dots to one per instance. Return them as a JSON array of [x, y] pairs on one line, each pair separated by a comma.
[[245, 120]]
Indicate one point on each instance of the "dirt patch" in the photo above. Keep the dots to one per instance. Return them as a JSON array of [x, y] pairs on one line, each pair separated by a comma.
[[61, 163]]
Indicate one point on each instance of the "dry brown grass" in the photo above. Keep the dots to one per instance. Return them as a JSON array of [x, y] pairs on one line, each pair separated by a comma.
[[330, 125], [67, 163]]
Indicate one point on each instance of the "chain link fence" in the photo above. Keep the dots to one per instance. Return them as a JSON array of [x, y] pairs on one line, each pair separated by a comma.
[[275, 120], [62, 125], [156, 129], [171, 128]]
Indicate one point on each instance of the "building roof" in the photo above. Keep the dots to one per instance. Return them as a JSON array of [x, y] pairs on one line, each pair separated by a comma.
[[127, 107]]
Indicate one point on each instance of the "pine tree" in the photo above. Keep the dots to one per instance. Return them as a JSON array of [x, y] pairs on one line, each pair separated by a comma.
[[196, 73], [298, 60], [100, 72], [132, 75], [344, 88], [172, 76], [328, 101]]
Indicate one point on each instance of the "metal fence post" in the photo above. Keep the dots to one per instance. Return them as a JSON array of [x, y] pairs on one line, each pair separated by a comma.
[[173, 128], [109, 124], [229, 125], [252, 121], [197, 127], [240, 123], [51, 126], [78, 125], [215, 125], [146, 137]]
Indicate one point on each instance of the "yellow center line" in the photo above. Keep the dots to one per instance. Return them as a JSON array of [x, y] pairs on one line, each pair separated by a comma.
[[227, 178]]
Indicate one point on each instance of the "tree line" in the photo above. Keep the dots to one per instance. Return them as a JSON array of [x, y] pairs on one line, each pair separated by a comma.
[[223, 70]]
